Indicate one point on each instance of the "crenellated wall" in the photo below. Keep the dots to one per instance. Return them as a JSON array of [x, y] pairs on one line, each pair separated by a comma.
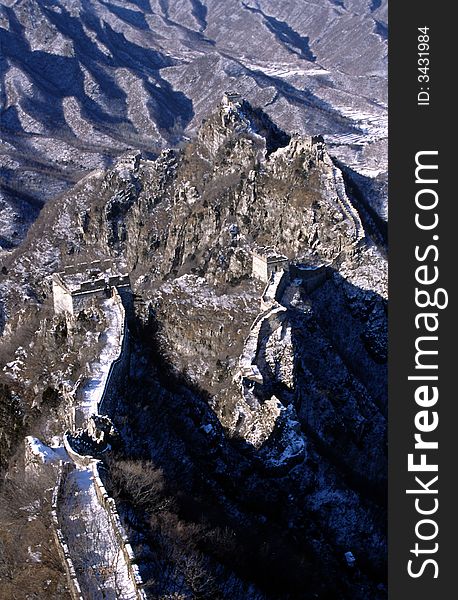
[[119, 367], [311, 277], [264, 422], [82, 460], [274, 289], [109, 506], [118, 370], [271, 313], [73, 300]]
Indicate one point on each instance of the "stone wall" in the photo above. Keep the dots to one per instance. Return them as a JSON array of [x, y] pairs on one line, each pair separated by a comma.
[[117, 372], [271, 313], [311, 277], [109, 506], [264, 422], [62, 548], [114, 383], [274, 289], [119, 368], [72, 301], [115, 379], [102, 284], [95, 264], [79, 459]]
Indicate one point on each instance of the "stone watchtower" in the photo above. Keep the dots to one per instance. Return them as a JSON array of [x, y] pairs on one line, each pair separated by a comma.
[[79, 286], [266, 261], [231, 104], [231, 99]]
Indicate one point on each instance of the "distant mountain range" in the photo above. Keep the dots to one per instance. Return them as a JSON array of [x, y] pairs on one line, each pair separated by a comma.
[[82, 81]]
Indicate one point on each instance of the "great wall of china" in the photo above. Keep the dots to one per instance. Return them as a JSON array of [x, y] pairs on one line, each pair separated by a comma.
[[274, 303], [80, 500], [258, 412]]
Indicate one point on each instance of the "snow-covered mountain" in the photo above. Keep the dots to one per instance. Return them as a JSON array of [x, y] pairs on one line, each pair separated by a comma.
[[82, 81], [157, 150], [260, 410]]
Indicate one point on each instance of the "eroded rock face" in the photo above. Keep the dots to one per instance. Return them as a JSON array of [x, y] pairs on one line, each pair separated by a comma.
[[241, 183]]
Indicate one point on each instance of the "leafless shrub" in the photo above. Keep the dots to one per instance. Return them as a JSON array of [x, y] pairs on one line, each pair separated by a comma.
[[140, 482]]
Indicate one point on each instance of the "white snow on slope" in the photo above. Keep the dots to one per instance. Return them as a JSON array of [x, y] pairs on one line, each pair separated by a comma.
[[373, 126], [45, 453], [90, 537], [286, 70]]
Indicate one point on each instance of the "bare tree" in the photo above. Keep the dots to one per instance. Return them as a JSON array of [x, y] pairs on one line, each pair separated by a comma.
[[197, 577], [141, 483]]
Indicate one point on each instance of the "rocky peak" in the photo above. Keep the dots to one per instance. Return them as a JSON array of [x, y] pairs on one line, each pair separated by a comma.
[[236, 120]]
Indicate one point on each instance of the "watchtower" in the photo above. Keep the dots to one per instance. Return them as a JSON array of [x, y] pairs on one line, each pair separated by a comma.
[[231, 98], [78, 286], [267, 260]]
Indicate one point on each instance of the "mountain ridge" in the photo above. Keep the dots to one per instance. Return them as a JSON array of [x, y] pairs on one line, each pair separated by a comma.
[[85, 82]]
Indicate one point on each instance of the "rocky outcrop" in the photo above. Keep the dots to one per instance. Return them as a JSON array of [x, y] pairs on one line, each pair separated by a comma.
[[203, 209], [242, 181], [75, 96]]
